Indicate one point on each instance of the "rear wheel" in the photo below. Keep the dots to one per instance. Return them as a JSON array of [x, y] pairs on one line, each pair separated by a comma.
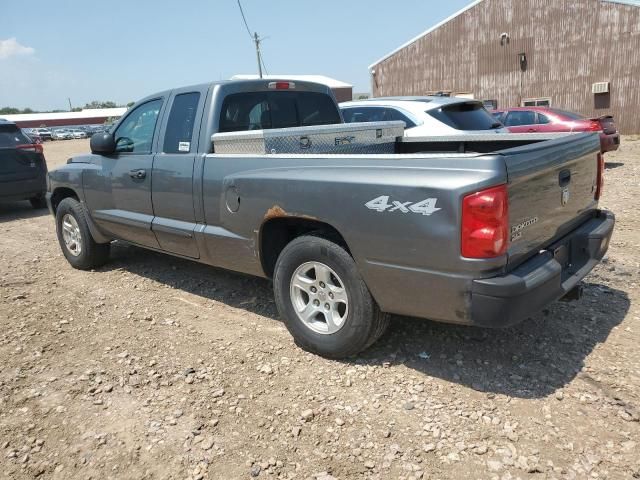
[[323, 300], [78, 246]]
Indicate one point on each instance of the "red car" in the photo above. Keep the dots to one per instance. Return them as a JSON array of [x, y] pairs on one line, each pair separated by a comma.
[[544, 119]]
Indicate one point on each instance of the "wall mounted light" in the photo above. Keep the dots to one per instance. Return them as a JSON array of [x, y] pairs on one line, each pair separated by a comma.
[[522, 57]]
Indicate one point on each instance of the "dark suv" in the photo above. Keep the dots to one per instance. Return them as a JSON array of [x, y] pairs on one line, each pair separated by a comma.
[[23, 170]]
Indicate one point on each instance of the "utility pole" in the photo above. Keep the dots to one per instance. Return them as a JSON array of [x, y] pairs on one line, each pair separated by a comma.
[[256, 39], [70, 107]]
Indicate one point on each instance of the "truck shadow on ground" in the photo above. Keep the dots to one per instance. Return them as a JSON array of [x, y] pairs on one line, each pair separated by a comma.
[[530, 360], [10, 211]]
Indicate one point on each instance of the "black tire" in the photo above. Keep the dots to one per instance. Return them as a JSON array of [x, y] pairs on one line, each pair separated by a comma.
[[92, 254], [38, 202], [364, 322]]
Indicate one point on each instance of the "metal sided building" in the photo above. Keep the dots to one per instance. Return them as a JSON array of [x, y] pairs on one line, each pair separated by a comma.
[[578, 55]]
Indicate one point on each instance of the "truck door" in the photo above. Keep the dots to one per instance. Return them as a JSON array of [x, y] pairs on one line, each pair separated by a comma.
[[118, 191], [173, 173]]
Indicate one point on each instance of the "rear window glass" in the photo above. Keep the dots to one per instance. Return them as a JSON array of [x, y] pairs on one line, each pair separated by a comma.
[[570, 115], [465, 116], [265, 110], [10, 136], [177, 138]]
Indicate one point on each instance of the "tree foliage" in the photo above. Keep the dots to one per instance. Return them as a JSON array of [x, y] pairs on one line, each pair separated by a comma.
[[100, 104]]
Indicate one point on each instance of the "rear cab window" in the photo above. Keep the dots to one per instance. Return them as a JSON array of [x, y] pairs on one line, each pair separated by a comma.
[[266, 110], [465, 116]]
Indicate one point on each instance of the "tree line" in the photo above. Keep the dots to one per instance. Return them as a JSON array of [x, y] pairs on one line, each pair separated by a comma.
[[93, 104]]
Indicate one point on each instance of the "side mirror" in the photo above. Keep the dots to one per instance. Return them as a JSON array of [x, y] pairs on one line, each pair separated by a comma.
[[103, 143]]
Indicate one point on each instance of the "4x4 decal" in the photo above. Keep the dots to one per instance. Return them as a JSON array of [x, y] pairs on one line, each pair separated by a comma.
[[381, 204]]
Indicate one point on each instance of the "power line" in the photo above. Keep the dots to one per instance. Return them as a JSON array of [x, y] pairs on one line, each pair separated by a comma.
[[244, 19], [254, 38]]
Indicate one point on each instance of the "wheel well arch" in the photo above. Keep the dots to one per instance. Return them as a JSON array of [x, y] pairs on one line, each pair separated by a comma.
[[59, 194], [276, 233]]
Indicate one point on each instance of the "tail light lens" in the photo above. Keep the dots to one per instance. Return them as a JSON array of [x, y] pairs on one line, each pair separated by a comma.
[[31, 147], [485, 223], [599, 177], [594, 126]]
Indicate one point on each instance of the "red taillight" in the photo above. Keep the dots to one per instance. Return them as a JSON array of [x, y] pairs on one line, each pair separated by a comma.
[[599, 177], [594, 126], [485, 223], [282, 85], [30, 147]]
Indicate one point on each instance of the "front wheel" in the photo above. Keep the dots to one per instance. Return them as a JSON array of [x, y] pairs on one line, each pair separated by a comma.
[[78, 246], [324, 301]]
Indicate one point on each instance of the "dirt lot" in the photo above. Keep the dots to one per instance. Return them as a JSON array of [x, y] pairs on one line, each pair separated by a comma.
[[154, 367]]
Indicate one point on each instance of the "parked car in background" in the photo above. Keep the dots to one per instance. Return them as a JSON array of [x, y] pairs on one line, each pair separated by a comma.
[[61, 134], [547, 120], [425, 116], [43, 133], [32, 134], [23, 170], [77, 133]]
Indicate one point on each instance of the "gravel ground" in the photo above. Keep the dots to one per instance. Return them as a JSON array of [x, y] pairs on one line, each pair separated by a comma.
[[154, 368]]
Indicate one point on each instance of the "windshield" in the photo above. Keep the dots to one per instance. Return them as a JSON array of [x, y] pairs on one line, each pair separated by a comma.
[[466, 116]]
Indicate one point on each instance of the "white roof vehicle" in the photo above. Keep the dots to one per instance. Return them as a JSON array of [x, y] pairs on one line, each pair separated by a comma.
[[425, 116]]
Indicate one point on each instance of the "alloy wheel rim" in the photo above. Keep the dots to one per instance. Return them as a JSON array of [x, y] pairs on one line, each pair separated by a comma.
[[319, 298], [71, 235]]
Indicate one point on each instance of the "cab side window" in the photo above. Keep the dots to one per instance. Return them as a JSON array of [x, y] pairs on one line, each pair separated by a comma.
[[179, 133], [135, 134]]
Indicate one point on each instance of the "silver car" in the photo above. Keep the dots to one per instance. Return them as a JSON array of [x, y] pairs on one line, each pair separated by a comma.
[[425, 116]]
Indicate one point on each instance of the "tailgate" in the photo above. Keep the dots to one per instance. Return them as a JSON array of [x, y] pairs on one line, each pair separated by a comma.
[[16, 165], [18, 158], [551, 189]]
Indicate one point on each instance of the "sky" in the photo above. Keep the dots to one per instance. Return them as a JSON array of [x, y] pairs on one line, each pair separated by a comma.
[[123, 50]]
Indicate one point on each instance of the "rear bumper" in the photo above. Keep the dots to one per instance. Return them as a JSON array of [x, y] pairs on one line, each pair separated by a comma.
[[506, 300], [609, 142]]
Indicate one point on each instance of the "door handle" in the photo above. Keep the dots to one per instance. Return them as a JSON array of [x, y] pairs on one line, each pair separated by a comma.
[[139, 174]]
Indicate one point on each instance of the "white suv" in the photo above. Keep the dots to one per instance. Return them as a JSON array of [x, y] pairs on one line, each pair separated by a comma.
[[425, 116]]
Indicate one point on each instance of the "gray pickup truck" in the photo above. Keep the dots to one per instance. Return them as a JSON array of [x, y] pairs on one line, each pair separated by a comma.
[[262, 177]]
